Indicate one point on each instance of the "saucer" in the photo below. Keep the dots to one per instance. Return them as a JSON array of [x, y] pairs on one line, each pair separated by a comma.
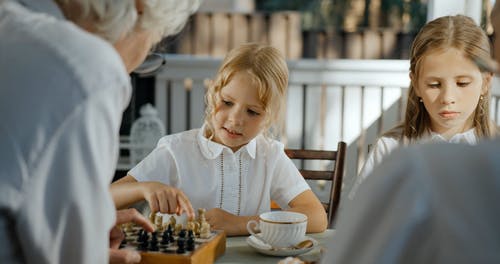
[[267, 249]]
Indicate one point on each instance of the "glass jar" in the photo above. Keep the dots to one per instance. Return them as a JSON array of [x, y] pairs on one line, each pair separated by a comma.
[[145, 133]]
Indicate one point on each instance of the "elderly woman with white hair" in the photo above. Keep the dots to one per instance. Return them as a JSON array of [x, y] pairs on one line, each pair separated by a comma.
[[64, 68]]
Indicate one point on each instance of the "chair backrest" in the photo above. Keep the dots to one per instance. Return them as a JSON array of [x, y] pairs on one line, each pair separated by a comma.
[[333, 174]]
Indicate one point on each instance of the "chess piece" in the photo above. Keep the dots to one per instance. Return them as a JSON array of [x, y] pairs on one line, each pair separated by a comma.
[[193, 226], [177, 229], [201, 215], [172, 221], [165, 226], [153, 243], [170, 233], [128, 228], [140, 236], [182, 233], [181, 242], [205, 230], [159, 222], [143, 239], [190, 241], [196, 229], [190, 225], [165, 238], [152, 217]]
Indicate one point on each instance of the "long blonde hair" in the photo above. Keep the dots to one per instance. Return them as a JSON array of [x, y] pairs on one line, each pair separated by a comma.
[[267, 68], [459, 32]]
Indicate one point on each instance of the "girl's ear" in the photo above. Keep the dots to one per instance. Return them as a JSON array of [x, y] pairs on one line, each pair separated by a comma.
[[486, 82], [413, 80]]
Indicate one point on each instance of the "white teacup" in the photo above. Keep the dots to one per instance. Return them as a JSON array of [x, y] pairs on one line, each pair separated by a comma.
[[279, 229]]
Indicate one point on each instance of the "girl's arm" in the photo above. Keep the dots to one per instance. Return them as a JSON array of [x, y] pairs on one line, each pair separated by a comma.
[[125, 192], [307, 203], [232, 224], [160, 197]]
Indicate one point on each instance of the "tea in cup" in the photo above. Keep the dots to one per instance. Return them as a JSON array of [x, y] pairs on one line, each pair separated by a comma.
[[279, 229]]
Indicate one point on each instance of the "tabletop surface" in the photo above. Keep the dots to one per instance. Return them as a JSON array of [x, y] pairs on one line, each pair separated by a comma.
[[238, 251]]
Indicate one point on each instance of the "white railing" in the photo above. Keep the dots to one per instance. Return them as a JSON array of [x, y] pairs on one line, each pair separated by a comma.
[[328, 101]]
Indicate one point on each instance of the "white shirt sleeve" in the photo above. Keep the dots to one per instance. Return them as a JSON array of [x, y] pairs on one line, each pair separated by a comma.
[[287, 181], [159, 166]]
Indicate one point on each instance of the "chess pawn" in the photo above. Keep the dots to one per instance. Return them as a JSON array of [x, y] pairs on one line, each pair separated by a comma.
[[165, 226], [205, 230], [178, 228], [196, 229], [190, 225], [190, 241], [128, 227], [159, 222], [201, 215], [152, 217], [172, 221]]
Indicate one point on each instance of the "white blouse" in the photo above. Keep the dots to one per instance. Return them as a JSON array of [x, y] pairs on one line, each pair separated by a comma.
[[385, 145], [213, 176]]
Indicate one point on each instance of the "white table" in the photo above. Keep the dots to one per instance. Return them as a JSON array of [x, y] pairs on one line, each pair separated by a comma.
[[238, 251]]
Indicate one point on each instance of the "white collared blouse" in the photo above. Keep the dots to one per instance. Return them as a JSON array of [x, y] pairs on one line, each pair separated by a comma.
[[385, 145], [213, 176]]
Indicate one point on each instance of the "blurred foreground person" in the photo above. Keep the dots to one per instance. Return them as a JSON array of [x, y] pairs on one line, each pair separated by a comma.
[[426, 204], [64, 68]]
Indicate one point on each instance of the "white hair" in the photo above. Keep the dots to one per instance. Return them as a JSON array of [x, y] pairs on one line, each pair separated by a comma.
[[111, 19]]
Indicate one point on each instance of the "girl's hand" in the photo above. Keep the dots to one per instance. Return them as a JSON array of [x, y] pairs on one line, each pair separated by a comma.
[[166, 199], [232, 224]]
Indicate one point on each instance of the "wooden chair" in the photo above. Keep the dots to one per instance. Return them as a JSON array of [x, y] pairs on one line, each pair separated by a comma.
[[334, 174]]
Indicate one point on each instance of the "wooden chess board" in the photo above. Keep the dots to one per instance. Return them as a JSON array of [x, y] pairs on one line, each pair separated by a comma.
[[206, 250]]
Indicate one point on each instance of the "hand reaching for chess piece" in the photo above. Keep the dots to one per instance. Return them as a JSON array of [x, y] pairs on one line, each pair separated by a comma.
[[160, 197], [166, 199], [116, 236]]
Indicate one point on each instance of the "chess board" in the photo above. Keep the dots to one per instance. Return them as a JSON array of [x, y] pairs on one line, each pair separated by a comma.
[[159, 247]]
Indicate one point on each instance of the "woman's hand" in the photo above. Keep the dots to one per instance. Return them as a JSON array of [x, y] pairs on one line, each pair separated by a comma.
[[116, 236], [166, 199]]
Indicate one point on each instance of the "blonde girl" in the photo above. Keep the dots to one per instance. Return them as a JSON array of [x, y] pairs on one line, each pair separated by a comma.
[[449, 93], [230, 166]]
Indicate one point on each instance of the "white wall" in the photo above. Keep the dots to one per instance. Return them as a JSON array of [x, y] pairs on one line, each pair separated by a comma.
[[439, 8]]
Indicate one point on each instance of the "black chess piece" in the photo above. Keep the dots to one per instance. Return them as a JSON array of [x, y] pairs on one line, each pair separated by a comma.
[[123, 244], [153, 245], [144, 237], [190, 243], [180, 245], [182, 233], [165, 238], [170, 235], [143, 246], [140, 236]]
